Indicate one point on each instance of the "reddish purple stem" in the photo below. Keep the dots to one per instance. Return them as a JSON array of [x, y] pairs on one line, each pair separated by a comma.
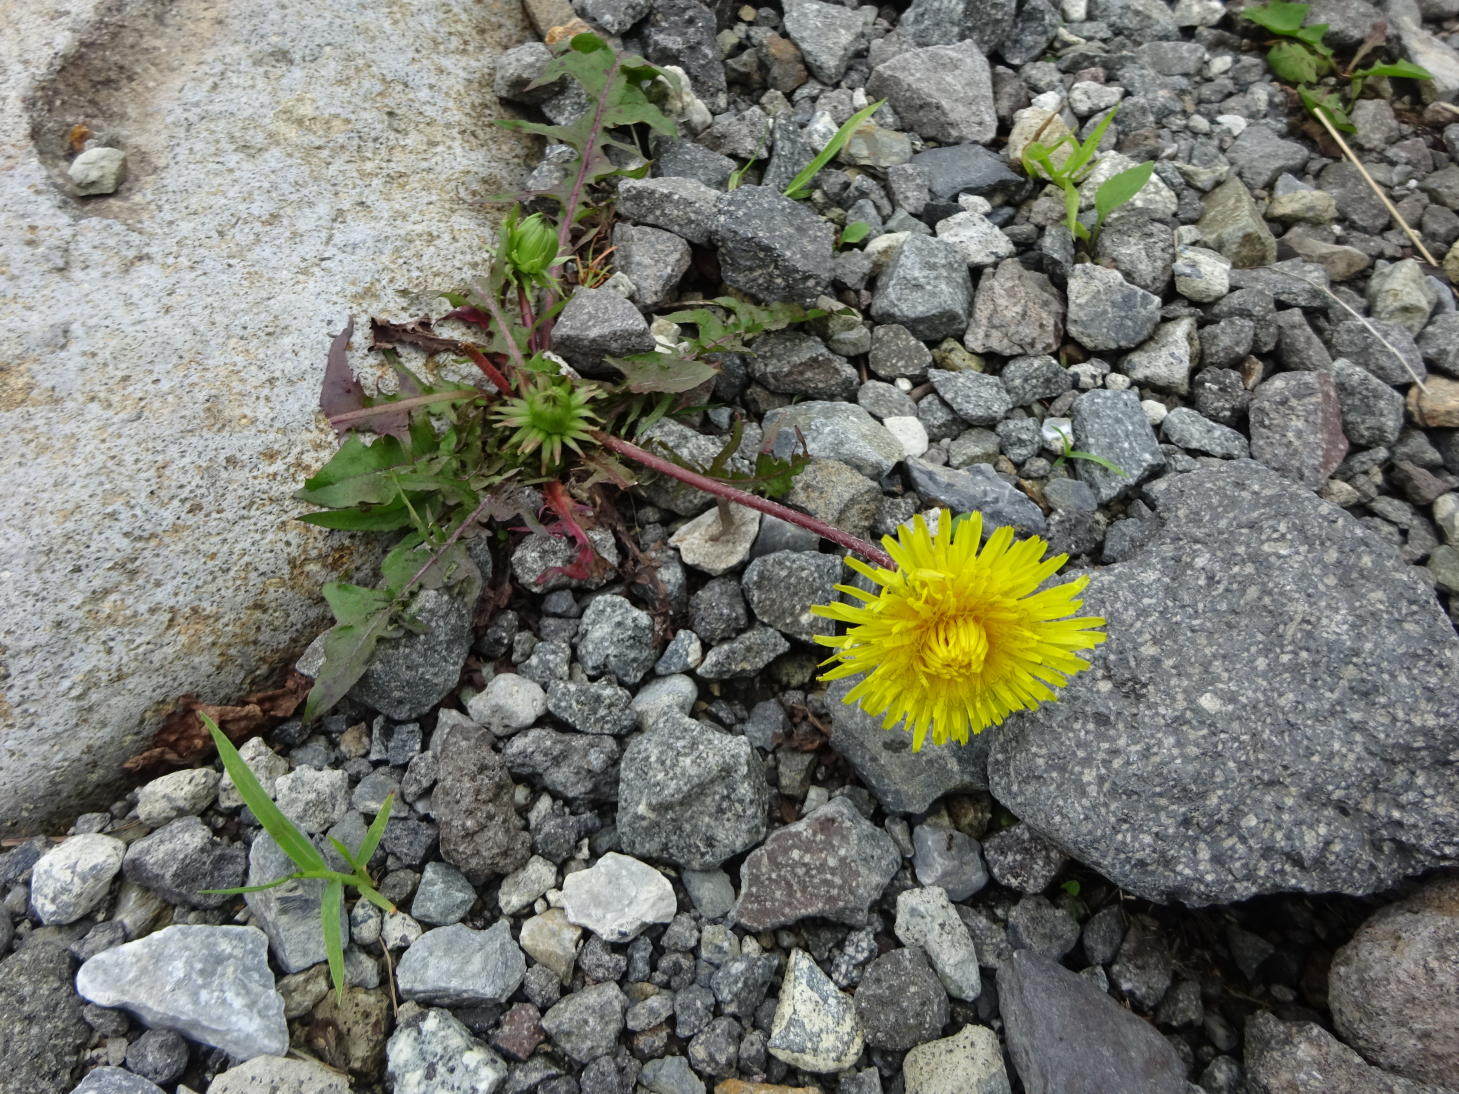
[[633, 452]]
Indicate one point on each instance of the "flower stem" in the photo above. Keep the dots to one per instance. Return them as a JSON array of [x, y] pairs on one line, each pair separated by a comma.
[[633, 452]]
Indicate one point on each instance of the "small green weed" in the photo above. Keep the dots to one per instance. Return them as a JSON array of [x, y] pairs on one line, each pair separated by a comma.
[[308, 858], [1301, 59], [1038, 162], [800, 185], [1069, 452]]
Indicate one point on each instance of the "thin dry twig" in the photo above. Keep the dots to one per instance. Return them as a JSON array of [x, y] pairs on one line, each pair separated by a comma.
[[1402, 360], [390, 978], [1392, 209]]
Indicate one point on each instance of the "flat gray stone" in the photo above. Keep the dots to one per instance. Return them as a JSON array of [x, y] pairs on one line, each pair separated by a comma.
[[456, 966], [1363, 799], [690, 795], [836, 431], [1300, 1056], [977, 489], [832, 863], [273, 1075], [618, 897], [289, 913], [1066, 1036], [211, 984]]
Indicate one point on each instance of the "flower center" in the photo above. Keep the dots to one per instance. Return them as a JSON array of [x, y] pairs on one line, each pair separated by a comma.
[[953, 648]]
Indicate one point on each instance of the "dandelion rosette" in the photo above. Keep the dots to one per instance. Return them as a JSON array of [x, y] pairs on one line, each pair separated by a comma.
[[550, 415], [957, 638]]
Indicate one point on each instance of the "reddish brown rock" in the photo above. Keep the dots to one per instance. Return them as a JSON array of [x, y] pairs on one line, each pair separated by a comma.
[[1296, 427]]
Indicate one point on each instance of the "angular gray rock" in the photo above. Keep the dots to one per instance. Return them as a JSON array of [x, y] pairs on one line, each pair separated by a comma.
[[773, 247], [742, 656], [832, 863], [456, 966], [1167, 359], [409, 675], [1112, 425], [653, 259], [1016, 312], [978, 398], [927, 919], [616, 637], [686, 207], [289, 913], [690, 795], [943, 93], [828, 36], [481, 834], [431, 1052], [977, 488], [1372, 412], [211, 984], [182, 860], [598, 323], [835, 431], [1067, 1037], [70, 880], [926, 289], [586, 1024], [902, 780], [1288, 773], [793, 362], [1107, 312], [900, 1001], [1186, 428], [42, 1033]]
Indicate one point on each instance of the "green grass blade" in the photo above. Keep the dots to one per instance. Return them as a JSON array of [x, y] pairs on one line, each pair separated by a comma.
[[346, 854], [374, 834], [290, 840], [1075, 454], [1075, 166], [331, 907], [834, 145], [374, 897]]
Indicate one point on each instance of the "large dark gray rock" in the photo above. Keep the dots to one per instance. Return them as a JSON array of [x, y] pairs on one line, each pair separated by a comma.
[[42, 1034], [183, 859], [782, 587], [1274, 710], [946, 22], [690, 795], [681, 32], [773, 247], [1068, 1037], [828, 36]]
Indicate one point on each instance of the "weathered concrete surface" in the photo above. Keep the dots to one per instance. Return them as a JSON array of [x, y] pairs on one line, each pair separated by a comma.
[[288, 165]]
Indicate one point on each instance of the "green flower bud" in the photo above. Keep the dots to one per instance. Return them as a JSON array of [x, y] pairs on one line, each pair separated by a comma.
[[531, 246]]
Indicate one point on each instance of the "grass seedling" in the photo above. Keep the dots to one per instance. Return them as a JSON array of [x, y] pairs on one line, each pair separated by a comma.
[[1068, 173], [308, 858], [1071, 453], [800, 185]]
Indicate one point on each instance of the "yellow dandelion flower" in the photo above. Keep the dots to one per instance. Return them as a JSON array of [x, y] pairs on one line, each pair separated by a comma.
[[958, 638]]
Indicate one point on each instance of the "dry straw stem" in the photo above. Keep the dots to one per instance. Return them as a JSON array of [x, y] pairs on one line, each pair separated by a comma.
[[1345, 306], [1392, 210]]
